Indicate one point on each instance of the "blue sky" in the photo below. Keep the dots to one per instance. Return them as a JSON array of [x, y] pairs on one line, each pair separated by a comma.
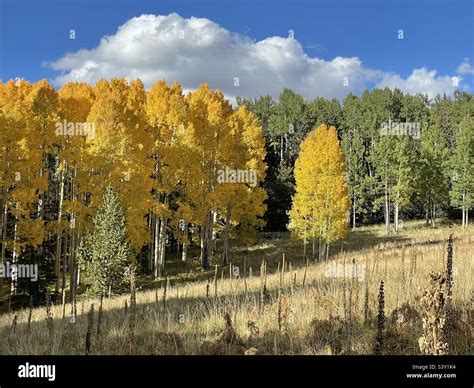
[[437, 36]]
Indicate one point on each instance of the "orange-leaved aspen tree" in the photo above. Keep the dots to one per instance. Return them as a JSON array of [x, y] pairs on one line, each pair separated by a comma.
[[321, 203]]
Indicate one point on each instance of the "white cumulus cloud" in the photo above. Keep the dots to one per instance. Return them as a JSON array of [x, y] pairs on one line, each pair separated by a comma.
[[422, 81], [465, 67], [196, 50]]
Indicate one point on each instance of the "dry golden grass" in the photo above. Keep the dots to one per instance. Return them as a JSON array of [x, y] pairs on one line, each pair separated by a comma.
[[328, 315]]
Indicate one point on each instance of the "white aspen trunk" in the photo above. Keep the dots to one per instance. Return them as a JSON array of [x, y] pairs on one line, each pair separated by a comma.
[[206, 241], [201, 242], [213, 232], [396, 217], [225, 255], [40, 196], [184, 252], [73, 271], [157, 241], [14, 269], [210, 234], [59, 232], [72, 267], [4, 229], [322, 250], [73, 279], [162, 249], [281, 150], [156, 245], [463, 210], [354, 213], [151, 225], [64, 269], [386, 209]]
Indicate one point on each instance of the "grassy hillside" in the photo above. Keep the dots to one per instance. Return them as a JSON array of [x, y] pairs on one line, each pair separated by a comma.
[[299, 307]]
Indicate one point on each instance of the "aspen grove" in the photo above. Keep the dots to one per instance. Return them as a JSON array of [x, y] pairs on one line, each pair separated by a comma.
[[191, 173], [159, 150]]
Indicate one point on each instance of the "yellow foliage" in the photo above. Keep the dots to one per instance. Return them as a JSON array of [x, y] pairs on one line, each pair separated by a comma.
[[321, 203]]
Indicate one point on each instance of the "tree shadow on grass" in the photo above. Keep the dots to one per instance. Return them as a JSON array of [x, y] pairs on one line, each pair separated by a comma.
[[271, 247], [154, 337]]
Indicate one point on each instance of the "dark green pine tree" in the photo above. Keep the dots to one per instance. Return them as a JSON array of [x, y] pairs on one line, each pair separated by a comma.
[[105, 253]]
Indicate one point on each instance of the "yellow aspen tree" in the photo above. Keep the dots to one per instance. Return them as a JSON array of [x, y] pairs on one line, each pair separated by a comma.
[[240, 199], [252, 209], [118, 153], [12, 132], [135, 181], [209, 135], [43, 115], [167, 121], [72, 172], [43, 109], [321, 203], [188, 193], [26, 117]]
